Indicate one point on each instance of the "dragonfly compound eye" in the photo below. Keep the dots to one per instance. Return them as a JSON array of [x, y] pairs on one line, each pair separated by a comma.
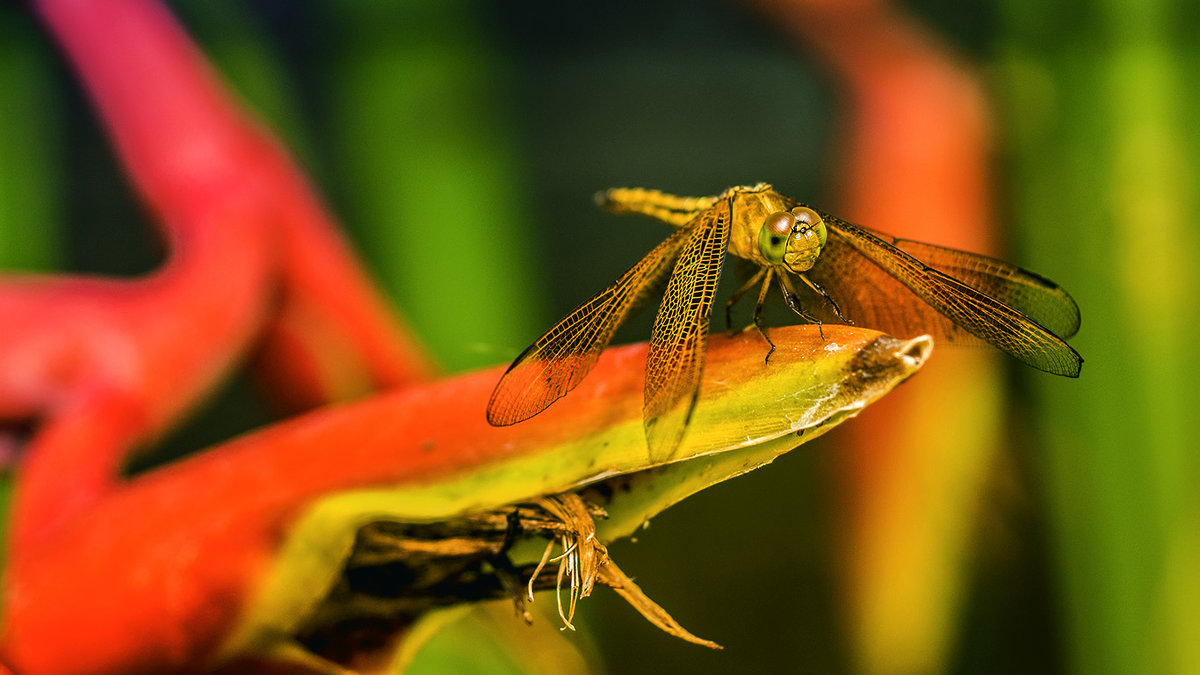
[[773, 237], [806, 216], [807, 238]]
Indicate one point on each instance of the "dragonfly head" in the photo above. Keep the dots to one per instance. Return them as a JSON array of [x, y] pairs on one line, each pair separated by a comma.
[[793, 238]]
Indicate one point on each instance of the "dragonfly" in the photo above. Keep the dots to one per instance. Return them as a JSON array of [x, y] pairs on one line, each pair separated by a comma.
[[828, 270]]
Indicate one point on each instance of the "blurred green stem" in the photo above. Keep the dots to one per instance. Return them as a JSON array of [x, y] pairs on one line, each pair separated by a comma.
[[420, 112], [1104, 196], [30, 157]]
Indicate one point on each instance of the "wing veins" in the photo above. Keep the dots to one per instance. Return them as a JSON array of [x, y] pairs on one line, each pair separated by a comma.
[[995, 322], [558, 360], [675, 362], [1027, 292]]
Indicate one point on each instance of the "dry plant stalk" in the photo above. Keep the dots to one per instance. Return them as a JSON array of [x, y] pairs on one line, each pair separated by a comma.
[[399, 571], [585, 560]]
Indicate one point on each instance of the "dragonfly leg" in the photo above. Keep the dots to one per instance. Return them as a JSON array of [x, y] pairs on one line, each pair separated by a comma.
[[762, 297], [793, 301], [819, 289], [737, 295]]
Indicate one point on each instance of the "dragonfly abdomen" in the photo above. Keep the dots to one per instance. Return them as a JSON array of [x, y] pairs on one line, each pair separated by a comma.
[[669, 208]]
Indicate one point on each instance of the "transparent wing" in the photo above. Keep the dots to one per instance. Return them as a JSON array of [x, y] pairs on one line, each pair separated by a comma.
[[1027, 292], [558, 361], [675, 361], [898, 286]]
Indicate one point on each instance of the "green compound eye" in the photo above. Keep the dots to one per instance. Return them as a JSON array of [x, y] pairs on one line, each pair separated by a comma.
[[773, 237]]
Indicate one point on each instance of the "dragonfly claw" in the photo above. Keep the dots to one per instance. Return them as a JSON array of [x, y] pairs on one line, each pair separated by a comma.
[[763, 332]]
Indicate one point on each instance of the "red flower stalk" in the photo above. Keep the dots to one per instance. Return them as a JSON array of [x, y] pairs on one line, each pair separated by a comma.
[[217, 556], [242, 228], [191, 562]]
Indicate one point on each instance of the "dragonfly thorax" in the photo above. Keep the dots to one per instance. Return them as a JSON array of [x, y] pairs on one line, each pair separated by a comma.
[[792, 238]]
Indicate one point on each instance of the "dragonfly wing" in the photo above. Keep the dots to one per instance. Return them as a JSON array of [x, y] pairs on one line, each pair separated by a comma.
[[558, 361], [675, 361], [1027, 292], [882, 286], [870, 297]]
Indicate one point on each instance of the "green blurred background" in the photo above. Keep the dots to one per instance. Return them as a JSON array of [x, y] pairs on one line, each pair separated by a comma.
[[461, 142]]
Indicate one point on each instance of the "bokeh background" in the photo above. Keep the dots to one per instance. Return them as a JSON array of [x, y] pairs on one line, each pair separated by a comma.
[[998, 520]]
